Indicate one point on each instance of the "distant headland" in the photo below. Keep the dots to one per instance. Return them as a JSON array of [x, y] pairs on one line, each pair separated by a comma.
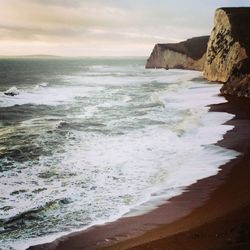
[[223, 57]]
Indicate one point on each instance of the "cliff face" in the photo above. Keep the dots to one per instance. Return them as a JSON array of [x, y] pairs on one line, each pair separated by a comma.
[[189, 54], [227, 57], [224, 58]]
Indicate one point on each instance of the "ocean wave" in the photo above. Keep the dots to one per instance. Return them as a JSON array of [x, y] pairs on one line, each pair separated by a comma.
[[13, 91], [41, 85], [111, 143], [33, 214]]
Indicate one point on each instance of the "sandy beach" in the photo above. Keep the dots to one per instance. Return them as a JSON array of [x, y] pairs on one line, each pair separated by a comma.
[[213, 213]]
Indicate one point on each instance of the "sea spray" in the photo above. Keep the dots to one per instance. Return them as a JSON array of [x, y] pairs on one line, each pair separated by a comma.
[[100, 140]]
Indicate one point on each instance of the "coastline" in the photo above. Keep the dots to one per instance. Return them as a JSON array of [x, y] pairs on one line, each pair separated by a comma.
[[223, 221], [205, 202]]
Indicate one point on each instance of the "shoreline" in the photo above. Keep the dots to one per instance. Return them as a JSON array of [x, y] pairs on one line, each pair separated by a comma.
[[184, 212], [223, 221]]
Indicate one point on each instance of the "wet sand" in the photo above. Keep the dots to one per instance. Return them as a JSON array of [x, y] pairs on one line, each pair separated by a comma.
[[213, 213]]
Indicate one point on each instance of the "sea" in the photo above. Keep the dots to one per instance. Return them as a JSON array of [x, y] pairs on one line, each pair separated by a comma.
[[89, 140]]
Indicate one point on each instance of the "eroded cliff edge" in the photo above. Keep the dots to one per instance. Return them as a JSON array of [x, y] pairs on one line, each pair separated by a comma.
[[189, 54], [227, 58]]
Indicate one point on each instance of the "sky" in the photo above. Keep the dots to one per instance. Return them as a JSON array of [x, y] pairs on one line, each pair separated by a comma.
[[102, 27]]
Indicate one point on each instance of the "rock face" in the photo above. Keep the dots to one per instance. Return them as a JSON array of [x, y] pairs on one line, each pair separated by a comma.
[[227, 58], [224, 58], [189, 54]]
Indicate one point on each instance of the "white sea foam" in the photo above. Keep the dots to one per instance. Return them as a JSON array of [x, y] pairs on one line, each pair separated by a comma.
[[41, 85], [13, 91], [127, 143]]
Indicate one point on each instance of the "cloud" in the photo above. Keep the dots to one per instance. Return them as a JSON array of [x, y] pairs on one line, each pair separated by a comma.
[[110, 25], [67, 3], [57, 20], [37, 20]]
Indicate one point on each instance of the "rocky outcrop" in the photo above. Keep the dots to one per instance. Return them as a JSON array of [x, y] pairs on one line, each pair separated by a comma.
[[224, 58], [189, 54], [227, 58]]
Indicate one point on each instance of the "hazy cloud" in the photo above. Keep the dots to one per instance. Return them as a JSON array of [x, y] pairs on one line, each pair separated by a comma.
[[106, 26], [67, 3]]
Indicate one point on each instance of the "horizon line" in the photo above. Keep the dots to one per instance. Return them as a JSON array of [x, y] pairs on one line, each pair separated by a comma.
[[67, 56]]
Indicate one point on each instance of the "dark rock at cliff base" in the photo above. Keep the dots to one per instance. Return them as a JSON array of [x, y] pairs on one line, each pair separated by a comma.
[[189, 54], [227, 58]]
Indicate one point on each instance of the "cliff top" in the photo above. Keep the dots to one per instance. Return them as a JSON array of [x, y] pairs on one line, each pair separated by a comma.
[[234, 9], [193, 47], [239, 18]]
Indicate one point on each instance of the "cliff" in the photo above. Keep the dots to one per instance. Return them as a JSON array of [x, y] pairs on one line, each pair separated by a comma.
[[227, 58], [189, 54]]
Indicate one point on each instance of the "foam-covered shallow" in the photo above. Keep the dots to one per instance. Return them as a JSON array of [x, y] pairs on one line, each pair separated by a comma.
[[100, 146]]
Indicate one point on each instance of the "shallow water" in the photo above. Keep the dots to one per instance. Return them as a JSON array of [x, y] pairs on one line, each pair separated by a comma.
[[88, 140]]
